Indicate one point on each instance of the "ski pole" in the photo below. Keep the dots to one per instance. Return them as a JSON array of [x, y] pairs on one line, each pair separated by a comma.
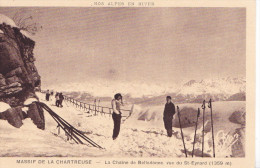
[[194, 141], [203, 107], [178, 110], [210, 106], [98, 105]]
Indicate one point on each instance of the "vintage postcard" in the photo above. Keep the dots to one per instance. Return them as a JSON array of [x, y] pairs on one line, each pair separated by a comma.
[[127, 84]]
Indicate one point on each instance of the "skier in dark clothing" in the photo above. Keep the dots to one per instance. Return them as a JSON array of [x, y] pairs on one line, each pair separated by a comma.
[[116, 104], [61, 98], [47, 95], [168, 113]]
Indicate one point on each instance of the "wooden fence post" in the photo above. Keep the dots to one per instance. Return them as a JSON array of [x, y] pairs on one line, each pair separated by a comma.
[[95, 108], [109, 112]]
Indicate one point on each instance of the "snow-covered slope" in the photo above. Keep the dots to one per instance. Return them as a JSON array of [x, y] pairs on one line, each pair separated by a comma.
[[141, 135]]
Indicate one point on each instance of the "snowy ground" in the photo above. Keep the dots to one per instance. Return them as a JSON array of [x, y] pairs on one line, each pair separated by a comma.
[[137, 138]]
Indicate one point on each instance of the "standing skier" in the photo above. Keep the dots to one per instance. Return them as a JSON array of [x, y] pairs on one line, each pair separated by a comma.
[[116, 104], [47, 95], [61, 98], [168, 113]]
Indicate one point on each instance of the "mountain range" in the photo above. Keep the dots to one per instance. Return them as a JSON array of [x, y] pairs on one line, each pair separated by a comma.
[[221, 89]]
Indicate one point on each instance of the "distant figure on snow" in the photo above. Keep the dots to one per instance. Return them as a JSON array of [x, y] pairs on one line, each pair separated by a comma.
[[61, 98], [168, 113], [57, 97], [116, 106], [47, 95]]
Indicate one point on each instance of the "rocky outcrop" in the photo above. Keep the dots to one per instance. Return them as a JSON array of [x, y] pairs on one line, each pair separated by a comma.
[[38, 118], [14, 116], [238, 117], [18, 75]]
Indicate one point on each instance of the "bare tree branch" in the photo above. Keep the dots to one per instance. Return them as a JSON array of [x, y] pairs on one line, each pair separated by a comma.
[[26, 23]]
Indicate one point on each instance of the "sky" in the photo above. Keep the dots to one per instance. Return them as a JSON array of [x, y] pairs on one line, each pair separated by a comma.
[[150, 45]]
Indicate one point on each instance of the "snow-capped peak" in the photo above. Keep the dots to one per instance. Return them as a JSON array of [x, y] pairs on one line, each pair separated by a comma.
[[224, 86]]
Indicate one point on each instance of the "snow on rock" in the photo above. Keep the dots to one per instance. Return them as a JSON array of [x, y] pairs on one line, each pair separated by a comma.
[[25, 109], [26, 34], [7, 20], [30, 101], [4, 106]]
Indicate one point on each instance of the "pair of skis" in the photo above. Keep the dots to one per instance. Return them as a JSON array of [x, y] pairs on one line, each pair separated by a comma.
[[203, 128], [70, 131]]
